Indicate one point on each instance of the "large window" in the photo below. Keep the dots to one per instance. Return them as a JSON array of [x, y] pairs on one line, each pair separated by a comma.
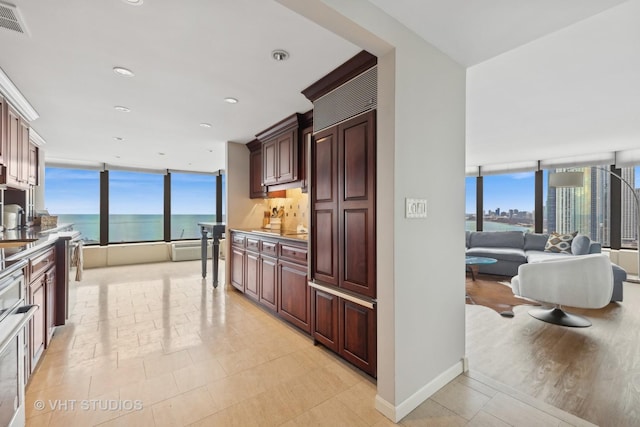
[[470, 204], [585, 209], [74, 196], [136, 206], [508, 202], [629, 226], [193, 200]]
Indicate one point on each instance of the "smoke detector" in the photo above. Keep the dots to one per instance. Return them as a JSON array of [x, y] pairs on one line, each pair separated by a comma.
[[280, 55], [11, 19]]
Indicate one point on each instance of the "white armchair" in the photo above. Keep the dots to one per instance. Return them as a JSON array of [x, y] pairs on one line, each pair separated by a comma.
[[584, 281]]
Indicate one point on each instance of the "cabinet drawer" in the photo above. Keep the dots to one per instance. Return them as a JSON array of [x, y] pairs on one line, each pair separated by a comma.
[[237, 240], [293, 253], [41, 263], [269, 248], [253, 244]]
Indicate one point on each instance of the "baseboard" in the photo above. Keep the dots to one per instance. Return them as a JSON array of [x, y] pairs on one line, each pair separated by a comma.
[[396, 413]]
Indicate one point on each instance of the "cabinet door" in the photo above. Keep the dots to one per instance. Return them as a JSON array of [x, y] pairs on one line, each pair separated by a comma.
[[324, 207], [356, 196], [237, 268], [50, 280], [305, 148], [37, 323], [4, 123], [23, 170], [13, 147], [295, 306], [252, 275], [33, 165], [325, 319], [256, 189], [287, 157], [358, 335], [268, 282], [269, 162]]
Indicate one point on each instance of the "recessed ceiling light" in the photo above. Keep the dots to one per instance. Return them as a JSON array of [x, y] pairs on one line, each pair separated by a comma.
[[117, 157], [205, 125], [230, 100], [121, 108], [161, 154], [280, 55], [121, 71], [118, 138], [134, 2]]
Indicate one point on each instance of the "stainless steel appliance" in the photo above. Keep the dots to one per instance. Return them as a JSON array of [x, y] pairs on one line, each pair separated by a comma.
[[14, 316]]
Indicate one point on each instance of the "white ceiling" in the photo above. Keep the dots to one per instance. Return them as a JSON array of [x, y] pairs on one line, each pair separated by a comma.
[[187, 57], [570, 82]]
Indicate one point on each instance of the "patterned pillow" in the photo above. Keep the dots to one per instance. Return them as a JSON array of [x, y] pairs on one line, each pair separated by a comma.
[[560, 243]]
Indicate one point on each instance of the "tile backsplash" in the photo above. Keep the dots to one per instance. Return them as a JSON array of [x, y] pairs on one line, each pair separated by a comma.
[[296, 209]]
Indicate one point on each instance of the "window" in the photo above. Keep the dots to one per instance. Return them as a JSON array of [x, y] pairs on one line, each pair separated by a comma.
[[629, 226], [508, 202], [74, 196], [470, 204], [584, 209], [136, 206], [193, 200]]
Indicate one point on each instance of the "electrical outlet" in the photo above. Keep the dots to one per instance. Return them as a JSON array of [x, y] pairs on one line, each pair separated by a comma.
[[415, 208]]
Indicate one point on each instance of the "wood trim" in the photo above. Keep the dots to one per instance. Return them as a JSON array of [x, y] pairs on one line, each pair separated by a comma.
[[307, 120], [479, 203], [284, 125], [345, 72], [254, 145]]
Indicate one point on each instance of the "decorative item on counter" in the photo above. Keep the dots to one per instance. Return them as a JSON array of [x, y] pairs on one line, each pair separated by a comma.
[[277, 214], [265, 220]]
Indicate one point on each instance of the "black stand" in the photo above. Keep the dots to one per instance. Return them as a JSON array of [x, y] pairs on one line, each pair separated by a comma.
[[557, 316], [216, 229]]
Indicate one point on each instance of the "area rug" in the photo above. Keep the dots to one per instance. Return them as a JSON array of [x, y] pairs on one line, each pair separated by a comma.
[[495, 293]]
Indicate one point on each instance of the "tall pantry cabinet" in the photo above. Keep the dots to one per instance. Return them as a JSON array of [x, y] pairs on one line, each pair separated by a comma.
[[343, 240]]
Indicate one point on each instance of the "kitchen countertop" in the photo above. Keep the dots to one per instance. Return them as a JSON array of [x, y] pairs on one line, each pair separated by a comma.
[[18, 243], [280, 234]]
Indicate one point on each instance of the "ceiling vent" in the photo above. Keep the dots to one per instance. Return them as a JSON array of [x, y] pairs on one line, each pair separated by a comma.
[[11, 19], [356, 96]]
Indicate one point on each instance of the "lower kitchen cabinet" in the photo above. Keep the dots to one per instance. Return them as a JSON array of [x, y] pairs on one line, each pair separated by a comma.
[[269, 282], [50, 283], [325, 319], [252, 275], [37, 326], [237, 268], [295, 305], [347, 328]]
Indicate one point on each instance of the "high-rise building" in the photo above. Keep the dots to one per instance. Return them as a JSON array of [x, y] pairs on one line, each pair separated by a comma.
[[629, 226]]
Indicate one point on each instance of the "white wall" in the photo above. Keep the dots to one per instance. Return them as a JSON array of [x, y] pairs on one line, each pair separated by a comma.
[[242, 212], [421, 131]]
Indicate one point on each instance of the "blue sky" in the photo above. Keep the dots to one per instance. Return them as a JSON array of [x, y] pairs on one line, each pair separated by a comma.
[[71, 191], [510, 191]]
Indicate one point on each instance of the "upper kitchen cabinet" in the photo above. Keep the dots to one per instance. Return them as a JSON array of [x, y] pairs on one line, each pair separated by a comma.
[[19, 155], [4, 124], [281, 151]]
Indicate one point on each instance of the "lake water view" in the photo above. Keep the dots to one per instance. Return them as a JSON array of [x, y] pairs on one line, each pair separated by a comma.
[[497, 226], [136, 228]]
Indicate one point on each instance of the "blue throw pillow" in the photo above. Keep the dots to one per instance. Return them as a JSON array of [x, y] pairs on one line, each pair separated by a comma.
[[580, 245]]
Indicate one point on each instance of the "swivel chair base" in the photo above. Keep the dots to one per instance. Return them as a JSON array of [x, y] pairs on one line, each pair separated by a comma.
[[557, 316]]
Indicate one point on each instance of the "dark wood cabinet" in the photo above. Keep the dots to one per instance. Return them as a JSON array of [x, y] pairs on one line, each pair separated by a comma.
[[257, 189], [17, 152], [274, 274], [4, 124], [50, 283], [325, 319], [33, 162], [305, 149], [252, 275], [237, 268], [37, 325], [343, 206], [269, 282], [357, 329], [295, 304], [281, 152]]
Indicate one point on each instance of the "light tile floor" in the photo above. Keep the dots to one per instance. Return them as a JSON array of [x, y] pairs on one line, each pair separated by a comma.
[[154, 345]]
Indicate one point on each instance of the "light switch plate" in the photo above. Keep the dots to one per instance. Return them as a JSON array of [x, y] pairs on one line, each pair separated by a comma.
[[415, 208]]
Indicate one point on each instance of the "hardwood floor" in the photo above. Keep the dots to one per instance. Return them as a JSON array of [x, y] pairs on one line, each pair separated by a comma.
[[593, 373]]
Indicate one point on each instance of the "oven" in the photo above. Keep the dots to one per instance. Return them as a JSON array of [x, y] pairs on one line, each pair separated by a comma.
[[14, 316]]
